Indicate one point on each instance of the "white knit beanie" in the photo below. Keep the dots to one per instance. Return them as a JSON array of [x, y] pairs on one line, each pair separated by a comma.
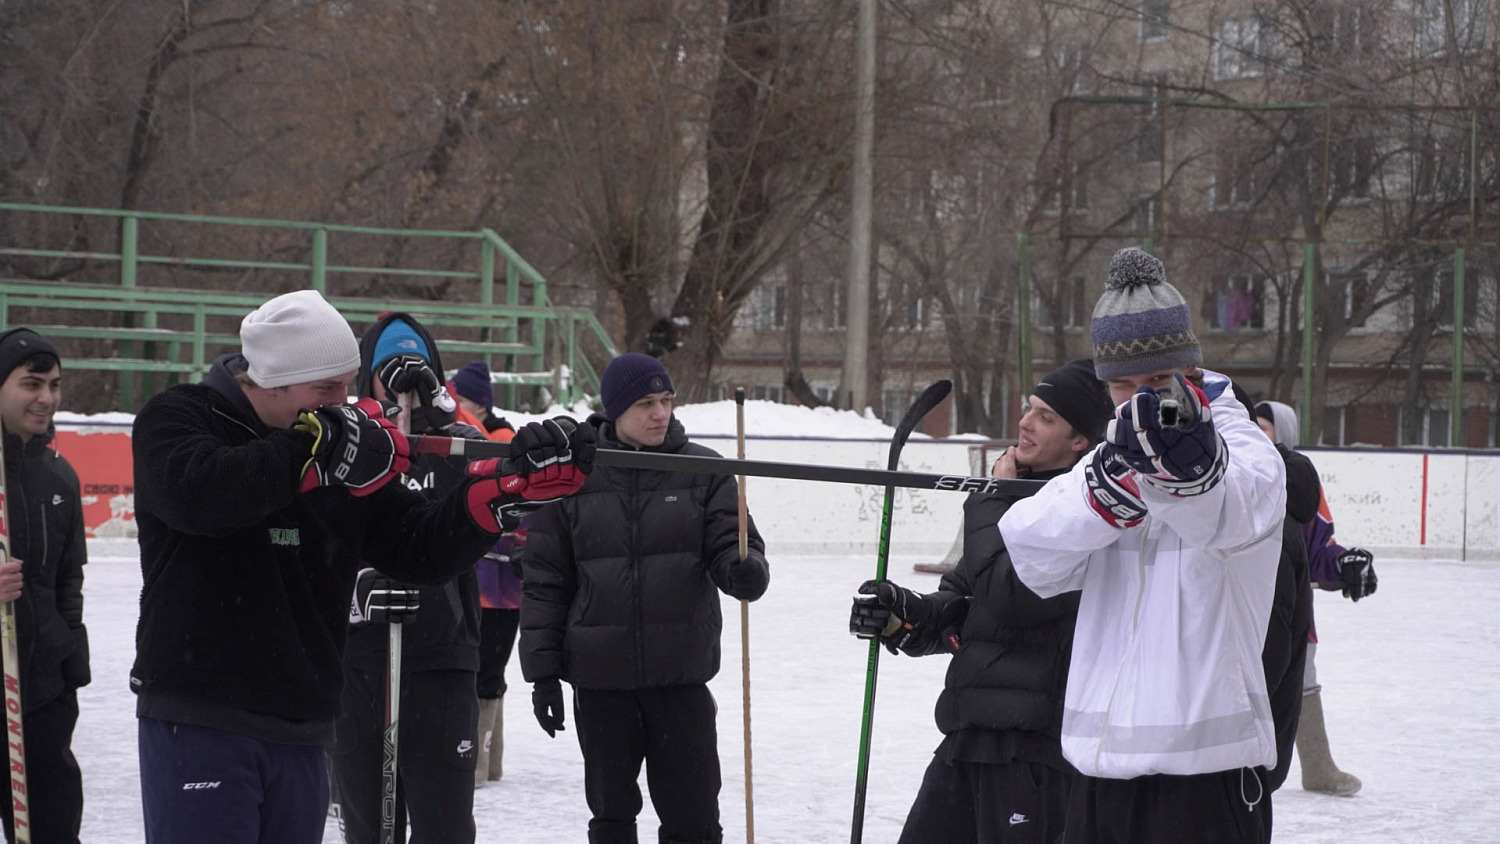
[[296, 338]]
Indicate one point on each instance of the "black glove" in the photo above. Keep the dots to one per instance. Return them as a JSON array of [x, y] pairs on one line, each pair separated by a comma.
[[380, 600], [432, 409], [1112, 488], [1169, 438], [547, 705], [548, 461], [355, 445], [1357, 573], [895, 614]]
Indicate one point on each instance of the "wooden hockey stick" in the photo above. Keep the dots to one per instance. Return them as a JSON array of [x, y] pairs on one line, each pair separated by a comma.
[[15, 741], [739, 424]]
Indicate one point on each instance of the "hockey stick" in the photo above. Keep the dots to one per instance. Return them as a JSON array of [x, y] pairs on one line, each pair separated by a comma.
[[929, 399], [15, 741], [627, 459], [389, 773], [739, 424]]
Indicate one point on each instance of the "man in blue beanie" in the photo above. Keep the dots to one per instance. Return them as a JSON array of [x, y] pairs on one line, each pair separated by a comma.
[[1174, 547], [621, 601]]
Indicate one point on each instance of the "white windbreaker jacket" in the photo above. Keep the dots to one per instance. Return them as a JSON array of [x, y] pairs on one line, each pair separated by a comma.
[[1166, 673]]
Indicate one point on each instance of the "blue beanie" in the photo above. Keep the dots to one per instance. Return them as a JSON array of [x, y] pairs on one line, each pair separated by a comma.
[[629, 377], [472, 382], [398, 338], [1141, 324]]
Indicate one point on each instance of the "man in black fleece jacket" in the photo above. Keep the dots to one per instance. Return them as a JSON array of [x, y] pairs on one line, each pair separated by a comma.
[[621, 599], [999, 773], [259, 496]]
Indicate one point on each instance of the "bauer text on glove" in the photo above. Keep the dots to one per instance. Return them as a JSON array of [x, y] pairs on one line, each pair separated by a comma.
[[355, 446]]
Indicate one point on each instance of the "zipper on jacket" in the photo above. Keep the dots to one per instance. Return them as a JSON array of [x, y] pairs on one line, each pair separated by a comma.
[[636, 510]]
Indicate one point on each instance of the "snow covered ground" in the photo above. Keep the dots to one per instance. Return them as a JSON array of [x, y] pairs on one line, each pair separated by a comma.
[[1411, 685]]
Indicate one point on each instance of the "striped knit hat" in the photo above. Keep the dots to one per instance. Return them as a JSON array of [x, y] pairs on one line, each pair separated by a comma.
[[1141, 323]]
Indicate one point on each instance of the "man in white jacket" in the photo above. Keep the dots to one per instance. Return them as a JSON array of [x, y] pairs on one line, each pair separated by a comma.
[[1172, 530]]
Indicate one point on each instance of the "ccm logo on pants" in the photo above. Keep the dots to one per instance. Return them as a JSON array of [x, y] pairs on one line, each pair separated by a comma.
[[189, 786]]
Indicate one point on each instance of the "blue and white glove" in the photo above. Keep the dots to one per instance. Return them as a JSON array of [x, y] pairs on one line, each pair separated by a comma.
[[1112, 490], [1169, 439]]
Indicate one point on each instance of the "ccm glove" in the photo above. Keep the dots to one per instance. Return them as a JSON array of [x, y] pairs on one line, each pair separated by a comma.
[[1111, 487], [1357, 573], [356, 446], [547, 705], [894, 613], [432, 408], [547, 462], [1170, 439], [380, 600]]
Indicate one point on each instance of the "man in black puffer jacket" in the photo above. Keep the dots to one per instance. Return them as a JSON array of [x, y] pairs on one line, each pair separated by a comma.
[[44, 576], [621, 600], [999, 773]]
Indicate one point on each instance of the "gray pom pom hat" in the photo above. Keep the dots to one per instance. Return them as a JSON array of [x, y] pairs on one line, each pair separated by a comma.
[[1141, 323]]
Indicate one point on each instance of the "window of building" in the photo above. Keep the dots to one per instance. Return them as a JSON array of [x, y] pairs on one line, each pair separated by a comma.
[[1349, 291], [1148, 142], [1143, 216], [1234, 184], [837, 314], [1155, 19], [768, 392], [1234, 302], [1243, 49], [1073, 302], [1437, 281], [770, 307], [1351, 164], [1434, 430], [1437, 21], [895, 401]]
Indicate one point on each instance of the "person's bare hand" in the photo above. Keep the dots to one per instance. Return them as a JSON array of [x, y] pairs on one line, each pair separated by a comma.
[[1005, 465], [10, 580]]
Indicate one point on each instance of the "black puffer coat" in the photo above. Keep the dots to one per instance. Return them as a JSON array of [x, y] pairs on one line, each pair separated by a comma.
[[46, 535], [622, 578], [1003, 696]]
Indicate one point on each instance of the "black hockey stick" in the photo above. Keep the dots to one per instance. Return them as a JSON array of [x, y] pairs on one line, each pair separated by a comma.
[[928, 400], [625, 459]]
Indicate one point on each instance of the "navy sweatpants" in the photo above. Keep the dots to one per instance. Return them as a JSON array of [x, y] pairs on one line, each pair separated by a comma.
[[1227, 807], [199, 784], [974, 802]]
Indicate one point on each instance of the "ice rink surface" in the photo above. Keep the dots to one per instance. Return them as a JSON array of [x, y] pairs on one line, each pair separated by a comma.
[[1411, 685]]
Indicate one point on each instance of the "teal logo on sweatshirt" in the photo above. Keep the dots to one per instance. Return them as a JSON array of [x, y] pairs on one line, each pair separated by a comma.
[[285, 536]]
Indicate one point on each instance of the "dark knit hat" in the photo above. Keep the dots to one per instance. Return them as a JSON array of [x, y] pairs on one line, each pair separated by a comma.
[[19, 345], [472, 382], [1079, 397], [1141, 323], [629, 377]]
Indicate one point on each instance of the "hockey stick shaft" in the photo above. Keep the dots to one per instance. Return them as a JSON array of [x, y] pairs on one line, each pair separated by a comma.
[[744, 508], [627, 459], [390, 740], [924, 403], [10, 651]]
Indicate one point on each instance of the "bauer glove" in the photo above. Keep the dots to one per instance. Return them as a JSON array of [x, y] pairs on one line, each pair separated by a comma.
[[356, 446], [548, 460]]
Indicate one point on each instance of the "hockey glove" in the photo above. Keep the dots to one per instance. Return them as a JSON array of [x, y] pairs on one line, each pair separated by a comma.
[[380, 600], [548, 461], [1111, 487], [547, 705], [1357, 573], [1169, 438], [356, 446], [895, 614], [432, 409]]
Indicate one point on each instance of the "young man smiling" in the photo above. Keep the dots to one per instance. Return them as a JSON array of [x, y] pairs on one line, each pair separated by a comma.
[[44, 576], [999, 774], [621, 600], [1172, 531]]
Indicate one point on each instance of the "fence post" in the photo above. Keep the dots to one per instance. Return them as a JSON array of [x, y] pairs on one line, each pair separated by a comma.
[[1023, 309], [130, 227], [1309, 279], [1456, 409], [320, 261]]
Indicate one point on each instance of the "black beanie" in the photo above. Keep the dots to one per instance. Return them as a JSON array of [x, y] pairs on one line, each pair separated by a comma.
[[629, 377], [1079, 397], [19, 345]]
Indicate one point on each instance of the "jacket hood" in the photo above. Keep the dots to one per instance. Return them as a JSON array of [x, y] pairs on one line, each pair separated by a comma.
[[220, 379], [364, 381]]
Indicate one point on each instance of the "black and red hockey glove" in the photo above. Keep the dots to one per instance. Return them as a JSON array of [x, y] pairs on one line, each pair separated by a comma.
[[548, 460], [432, 409], [355, 445]]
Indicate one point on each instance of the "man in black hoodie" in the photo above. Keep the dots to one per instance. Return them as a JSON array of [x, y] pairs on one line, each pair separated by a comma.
[[999, 773], [44, 577], [621, 599], [259, 496], [440, 636]]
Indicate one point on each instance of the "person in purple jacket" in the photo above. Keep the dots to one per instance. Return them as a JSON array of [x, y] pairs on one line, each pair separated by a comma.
[[1331, 566], [499, 620]]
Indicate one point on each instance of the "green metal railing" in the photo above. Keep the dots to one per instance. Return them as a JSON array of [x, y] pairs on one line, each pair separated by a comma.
[[177, 331]]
